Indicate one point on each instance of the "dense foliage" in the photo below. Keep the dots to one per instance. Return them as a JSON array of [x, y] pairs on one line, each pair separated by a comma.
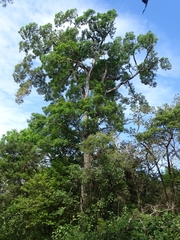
[[69, 175]]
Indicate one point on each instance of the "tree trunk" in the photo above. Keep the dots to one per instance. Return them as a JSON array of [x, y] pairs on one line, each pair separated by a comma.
[[87, 165], [84, 187]]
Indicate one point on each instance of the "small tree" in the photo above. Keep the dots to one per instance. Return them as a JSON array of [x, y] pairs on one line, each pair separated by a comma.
[[161, 143]]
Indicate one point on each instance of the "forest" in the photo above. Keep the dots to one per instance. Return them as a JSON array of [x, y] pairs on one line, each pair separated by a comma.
[[99, 163]]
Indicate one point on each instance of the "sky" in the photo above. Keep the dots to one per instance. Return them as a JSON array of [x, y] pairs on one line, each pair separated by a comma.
[[161, 17]]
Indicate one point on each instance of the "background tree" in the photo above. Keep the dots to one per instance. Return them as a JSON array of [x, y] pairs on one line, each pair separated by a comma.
[[20, 160], [161, 143], [107, 190], [36, 196], [142, 182]]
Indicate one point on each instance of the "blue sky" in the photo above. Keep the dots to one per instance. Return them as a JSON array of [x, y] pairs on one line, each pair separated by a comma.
[[161, 17]]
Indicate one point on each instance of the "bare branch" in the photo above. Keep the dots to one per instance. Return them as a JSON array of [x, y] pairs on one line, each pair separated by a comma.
[[122, 83]]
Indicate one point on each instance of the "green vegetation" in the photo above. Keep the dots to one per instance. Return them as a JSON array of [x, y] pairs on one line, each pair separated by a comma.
[[68, 176]]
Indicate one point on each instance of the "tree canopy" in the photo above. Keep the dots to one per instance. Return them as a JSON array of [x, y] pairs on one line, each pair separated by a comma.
[[75, 59]]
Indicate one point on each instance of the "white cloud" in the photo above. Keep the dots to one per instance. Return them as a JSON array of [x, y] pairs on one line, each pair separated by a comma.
[[162, 93], [129, 23]]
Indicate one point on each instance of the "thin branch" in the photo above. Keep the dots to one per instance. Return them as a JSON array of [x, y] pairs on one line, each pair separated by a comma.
[[122, 83]]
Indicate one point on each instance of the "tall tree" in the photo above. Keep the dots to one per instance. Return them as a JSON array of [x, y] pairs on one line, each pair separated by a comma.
[[80, 64]]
